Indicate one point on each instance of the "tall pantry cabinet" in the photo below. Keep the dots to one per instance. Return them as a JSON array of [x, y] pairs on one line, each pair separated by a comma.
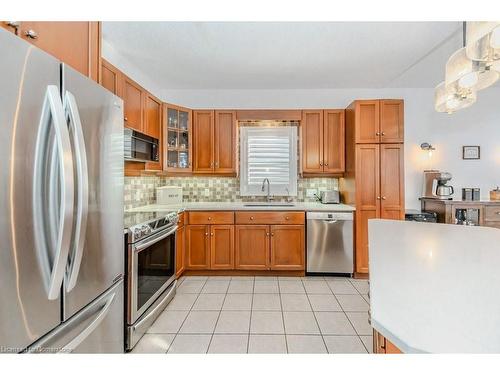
[[374, 177]]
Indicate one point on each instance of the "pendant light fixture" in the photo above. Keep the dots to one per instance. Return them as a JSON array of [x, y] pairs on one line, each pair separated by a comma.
[[483, 42], [473, 67]]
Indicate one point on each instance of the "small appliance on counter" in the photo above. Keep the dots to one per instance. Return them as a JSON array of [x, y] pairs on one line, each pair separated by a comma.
[[168, 195], [417, 215], [495, 194], [471, 194], [435, 185], [330, 197]]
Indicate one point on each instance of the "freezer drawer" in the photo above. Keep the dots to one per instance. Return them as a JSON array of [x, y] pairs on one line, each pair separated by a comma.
[[330, 242], [98, 328]]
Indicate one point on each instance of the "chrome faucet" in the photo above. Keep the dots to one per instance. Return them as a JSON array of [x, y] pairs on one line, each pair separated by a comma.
[[268, 188]]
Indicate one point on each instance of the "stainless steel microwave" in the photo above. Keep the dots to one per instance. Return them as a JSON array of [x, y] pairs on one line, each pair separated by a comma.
[[140, 147]]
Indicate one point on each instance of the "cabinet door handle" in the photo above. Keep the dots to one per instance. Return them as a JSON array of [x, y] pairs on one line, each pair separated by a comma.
[[206, 234], [383, 133], [267, 234], [125, 118], [32, 34], [321, 163], [377, 134], [378, 198], [13, 24], [384, 198], [326, 164], [211, 234], [216, 163], [272, 234]]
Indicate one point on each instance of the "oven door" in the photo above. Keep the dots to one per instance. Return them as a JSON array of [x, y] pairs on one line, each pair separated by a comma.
[[151, 269]]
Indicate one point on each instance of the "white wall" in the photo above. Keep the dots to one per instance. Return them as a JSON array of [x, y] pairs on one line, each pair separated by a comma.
[[477, 125]]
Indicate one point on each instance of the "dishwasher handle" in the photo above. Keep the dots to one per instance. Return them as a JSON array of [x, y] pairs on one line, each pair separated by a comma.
[[332, 221]]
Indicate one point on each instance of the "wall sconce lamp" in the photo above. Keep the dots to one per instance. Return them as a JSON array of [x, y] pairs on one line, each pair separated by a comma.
[[427, 147]]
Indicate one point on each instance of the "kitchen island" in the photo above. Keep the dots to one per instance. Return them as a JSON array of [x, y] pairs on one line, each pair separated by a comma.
[[434, 287]]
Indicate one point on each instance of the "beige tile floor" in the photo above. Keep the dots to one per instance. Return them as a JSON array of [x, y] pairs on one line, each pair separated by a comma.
[[263, 315]]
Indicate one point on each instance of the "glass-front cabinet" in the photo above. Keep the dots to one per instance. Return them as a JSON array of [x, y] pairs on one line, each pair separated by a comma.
[[178, 142]]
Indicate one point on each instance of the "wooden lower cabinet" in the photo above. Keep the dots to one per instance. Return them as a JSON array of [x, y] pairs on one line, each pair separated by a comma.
[[252, 247], [180, 251], [222, 247], [383, 346], [197, 247], [247, 247], [287, 247]]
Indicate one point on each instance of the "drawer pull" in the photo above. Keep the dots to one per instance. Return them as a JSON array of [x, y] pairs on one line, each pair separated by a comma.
[[32, 34], [287, 218], [251, 217], [209, 218]]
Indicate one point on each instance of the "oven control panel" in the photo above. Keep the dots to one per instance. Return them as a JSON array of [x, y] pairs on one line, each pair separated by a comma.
[[143, 230]]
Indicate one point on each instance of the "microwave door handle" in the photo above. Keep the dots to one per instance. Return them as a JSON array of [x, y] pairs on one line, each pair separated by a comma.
[[76, 132], [146, 244], [53, 271]]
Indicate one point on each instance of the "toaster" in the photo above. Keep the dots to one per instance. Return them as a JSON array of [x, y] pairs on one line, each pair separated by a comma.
[[330, 196]]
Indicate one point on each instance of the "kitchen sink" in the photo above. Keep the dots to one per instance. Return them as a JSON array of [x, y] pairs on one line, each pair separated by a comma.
[[269, 204]]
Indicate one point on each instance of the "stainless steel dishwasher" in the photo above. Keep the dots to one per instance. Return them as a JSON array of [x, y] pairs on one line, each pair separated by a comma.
[[330, 242]]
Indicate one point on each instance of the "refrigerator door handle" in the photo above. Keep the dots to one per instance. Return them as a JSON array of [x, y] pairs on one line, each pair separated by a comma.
[[82, 189], [73, 344], [53, 237]]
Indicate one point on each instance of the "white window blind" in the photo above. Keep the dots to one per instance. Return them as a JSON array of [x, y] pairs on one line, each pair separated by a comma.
[[268, 152]]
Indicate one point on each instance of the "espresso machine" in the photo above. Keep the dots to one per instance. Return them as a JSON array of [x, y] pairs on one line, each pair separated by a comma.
[[435, 185]]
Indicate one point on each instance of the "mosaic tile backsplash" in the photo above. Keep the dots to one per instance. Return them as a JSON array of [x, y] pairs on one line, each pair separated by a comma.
[[140, 191]]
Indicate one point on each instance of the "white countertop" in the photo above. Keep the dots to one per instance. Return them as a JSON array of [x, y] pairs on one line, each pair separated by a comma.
[[435, 287], [240, 206]]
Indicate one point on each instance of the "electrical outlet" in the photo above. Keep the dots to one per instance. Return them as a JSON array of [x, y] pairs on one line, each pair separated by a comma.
[[207, 192], [310, 193]]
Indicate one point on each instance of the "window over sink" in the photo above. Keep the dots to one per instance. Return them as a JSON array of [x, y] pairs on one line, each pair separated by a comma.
[[268, 152]]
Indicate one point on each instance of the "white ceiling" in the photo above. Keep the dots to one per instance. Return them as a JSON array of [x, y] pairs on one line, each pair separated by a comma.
[[290, 55]]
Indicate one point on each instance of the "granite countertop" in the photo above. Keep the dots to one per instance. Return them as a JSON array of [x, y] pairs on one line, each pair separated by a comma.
[[141, 214], [433, 287]]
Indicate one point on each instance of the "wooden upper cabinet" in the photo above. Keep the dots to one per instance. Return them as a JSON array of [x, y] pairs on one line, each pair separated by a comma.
[[312, 141], [111, 78], [287, 247], [225, 141], [367, 121], [203, 138], [133, 105], [334, 141], [252, 247], [391, 121], [392, 181], [197, 247], [77, 44], [152, 117], [222, 247]]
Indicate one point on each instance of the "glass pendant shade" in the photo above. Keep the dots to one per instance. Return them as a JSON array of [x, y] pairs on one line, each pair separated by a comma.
[[467, 75], [483, 41], [447, 99]]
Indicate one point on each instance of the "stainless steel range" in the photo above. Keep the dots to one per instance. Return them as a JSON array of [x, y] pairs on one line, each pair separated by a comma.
[[150, 273]]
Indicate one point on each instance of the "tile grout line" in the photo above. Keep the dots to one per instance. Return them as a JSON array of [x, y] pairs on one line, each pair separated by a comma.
[[315, 318], [347, 316], [189, 312], [218, 316], [282, 316], [251, 311]]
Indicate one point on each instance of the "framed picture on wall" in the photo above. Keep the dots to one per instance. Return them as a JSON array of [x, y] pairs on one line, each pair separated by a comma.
[[471, 152]]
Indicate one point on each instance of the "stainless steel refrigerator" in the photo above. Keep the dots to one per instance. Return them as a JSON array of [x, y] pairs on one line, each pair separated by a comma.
[[61, 207]]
